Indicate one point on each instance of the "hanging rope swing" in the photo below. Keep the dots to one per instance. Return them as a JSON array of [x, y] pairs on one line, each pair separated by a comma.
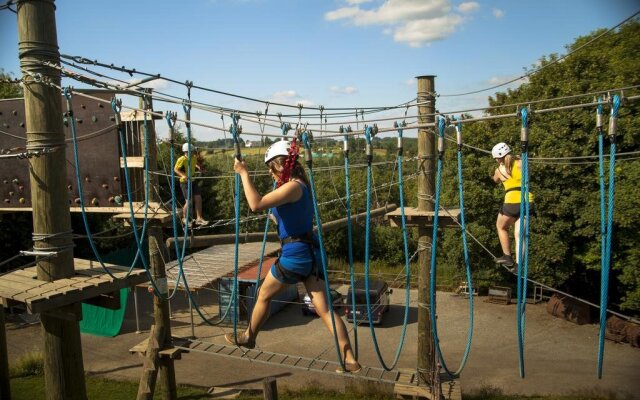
[[432, 283], [368, 133]]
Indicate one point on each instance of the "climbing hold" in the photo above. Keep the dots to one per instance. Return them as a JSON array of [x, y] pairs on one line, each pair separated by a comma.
[[100, 105], [15, 180], [112, 118], [14, 112], [111, 200], [83, 106], [77, 200], [20, 188], [79, 120], [118, 200], [105, 186], [87, 178], [7, 201], [21, 124], [6, 181], [116, 178], [94, 201], [94, 118], [11, 193], [21, 200], [70, 187]]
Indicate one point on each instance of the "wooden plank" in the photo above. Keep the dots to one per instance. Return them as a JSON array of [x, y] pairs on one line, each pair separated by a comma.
[[133, 162]]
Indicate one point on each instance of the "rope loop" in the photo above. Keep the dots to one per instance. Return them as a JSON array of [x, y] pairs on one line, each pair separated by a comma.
[[458, 126], [599, 114], [442, 125], [613, 120], [170, 117], [68, 92], [235, 130], [285, 127], [524, 131]]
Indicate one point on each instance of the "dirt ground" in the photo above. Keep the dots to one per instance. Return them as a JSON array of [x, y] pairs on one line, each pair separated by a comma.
[[560, 357]]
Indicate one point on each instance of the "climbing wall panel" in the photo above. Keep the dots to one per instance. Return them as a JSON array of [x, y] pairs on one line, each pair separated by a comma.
[[98, 152]]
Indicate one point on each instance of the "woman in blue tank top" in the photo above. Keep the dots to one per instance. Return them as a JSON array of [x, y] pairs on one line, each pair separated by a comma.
[[292, 208]]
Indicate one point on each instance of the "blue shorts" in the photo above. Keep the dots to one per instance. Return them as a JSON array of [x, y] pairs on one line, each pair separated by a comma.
[[293, 270]]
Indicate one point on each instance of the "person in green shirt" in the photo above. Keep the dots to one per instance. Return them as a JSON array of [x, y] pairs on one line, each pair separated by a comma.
[[180, 169]]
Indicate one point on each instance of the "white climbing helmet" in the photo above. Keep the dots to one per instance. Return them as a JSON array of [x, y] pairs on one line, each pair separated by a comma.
[[279, 148], [500, 150], [185, 148]]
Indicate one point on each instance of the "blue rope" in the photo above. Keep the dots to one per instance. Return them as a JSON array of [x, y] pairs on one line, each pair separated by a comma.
[[323, 255], [434, 246], [523, 255], [284, 127], [350, 242], [236, 195], [235, 131], [68, 93], [367, 134], [456, 373], [606, 262]]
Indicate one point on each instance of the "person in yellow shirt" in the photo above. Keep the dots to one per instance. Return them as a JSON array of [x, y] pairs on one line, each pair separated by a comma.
[[509, 173], [181, 168]]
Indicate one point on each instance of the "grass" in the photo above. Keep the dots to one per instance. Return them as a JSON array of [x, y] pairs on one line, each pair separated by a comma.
[[27, 383], [32, 388]]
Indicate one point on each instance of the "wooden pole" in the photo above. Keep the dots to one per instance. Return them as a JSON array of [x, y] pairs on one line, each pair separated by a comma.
[[426, 184], [63, 366], [270, 388], [160, 337], [5, 387]]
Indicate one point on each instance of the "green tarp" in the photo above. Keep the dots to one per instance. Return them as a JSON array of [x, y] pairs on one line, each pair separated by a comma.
[[101, 321]]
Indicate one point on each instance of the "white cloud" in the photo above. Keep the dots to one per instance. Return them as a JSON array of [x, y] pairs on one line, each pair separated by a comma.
[[498, 13], [410, 82], [415, 22], [290, 97], [356, 2], [344, 90], [468, 7]]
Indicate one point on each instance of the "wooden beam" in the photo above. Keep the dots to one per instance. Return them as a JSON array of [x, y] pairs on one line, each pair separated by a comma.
[[133, 162], [424, 218]]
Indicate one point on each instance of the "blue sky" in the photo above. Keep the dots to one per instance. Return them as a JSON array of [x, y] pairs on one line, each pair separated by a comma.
[[336, 53]]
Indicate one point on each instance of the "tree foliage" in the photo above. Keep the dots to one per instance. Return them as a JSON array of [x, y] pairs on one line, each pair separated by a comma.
[[565, 234]]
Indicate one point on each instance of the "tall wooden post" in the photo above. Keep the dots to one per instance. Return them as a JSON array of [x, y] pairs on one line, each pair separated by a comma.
[[5, 389], [63, 367], [426, 184], [160, 336]]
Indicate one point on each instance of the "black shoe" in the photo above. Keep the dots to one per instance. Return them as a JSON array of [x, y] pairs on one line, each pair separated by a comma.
[[514, 269], [505, 260], [243, 340]]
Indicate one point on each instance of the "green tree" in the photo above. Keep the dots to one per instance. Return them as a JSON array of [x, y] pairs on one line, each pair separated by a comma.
[[565, 246]]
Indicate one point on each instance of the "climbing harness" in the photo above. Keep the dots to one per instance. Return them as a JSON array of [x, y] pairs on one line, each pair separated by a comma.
[[606, 232]]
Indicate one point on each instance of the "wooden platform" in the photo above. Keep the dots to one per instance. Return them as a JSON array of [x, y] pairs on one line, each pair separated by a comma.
[[122, 212], [415, 217], [89, 281], [205, 267], [403, 380]]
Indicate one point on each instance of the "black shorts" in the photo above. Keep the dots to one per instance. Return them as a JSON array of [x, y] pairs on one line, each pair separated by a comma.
[[195, 190], [513, 210]]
